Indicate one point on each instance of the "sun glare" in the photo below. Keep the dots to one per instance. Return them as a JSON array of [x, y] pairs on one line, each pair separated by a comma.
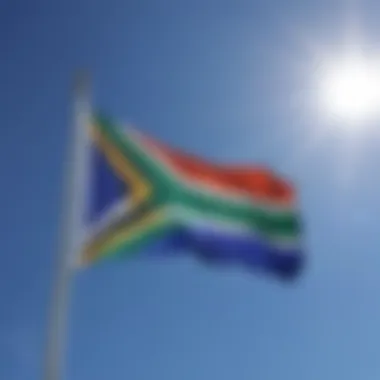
[[350, 89]]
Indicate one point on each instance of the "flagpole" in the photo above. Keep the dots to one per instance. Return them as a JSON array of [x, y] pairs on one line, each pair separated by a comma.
[[70, 235]]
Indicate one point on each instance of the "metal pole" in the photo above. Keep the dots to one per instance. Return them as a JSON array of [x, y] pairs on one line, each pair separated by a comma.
[[72, 212]]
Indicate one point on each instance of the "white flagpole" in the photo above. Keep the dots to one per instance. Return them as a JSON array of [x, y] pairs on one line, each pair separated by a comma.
[[72, 212]]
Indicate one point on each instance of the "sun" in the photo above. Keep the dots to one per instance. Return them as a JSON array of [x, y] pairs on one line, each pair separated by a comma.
[[350, 89]]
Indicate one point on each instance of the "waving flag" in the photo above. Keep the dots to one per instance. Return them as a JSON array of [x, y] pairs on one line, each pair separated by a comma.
[[149, 199]]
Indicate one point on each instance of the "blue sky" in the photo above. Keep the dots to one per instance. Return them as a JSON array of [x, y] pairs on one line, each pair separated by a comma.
[[229, 80]]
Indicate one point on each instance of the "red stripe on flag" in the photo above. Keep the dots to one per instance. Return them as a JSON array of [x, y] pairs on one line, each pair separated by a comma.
[[256, 182]]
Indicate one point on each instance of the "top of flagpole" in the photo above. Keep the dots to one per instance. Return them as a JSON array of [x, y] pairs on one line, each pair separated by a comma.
[[82, 84]]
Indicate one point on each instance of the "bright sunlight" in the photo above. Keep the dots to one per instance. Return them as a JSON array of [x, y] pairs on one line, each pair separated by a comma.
[[350, 89]]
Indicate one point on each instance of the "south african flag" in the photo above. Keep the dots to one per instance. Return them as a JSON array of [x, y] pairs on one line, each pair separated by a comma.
[[147, 199]]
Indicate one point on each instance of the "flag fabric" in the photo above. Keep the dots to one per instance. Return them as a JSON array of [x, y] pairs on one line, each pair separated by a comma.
[[146, 198]]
